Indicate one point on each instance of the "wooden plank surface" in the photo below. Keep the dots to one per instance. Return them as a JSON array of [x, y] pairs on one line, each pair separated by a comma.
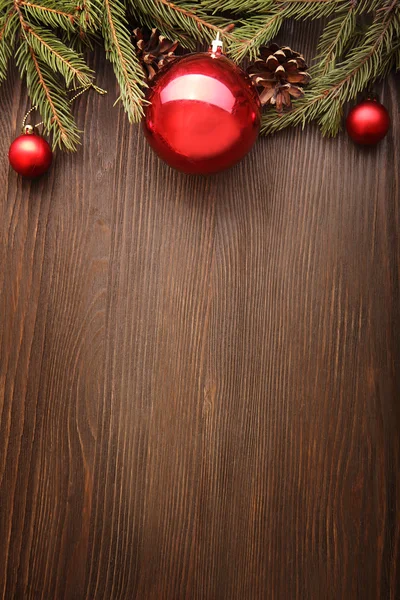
[[199, 377]]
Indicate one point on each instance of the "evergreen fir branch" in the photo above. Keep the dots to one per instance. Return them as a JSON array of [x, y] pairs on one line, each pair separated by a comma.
[[306, 7], [46, 14], [4, 22], [46, 92], [79, 40], [8, 30], [53, 33], [257, 31], [58, 56], [334, 39], [270, 6], [369, 61], [88, 22], [325, 98], [187, 18], [5, 6], [90, 14], [120, 52], [171, 33], [262, 6], [358, 5], [237, 7], [205, 24]]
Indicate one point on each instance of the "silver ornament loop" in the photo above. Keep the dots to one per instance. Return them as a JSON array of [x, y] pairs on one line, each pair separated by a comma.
[[216, 46]]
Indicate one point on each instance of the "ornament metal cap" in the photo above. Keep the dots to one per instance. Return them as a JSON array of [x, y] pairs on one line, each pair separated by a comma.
[[28, 130]]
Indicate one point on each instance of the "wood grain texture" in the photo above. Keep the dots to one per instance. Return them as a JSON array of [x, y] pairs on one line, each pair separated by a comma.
[[199, 377]]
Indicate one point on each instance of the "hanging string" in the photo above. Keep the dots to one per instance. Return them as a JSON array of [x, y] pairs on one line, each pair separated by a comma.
[[82, 88]]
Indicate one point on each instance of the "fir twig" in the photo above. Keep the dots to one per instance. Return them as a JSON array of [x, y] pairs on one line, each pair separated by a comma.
[[120, 52], [90, 14], [44, 91], [58, 56], [334, 39], [8, 30], [253, 34], [202, 24], [181, 22], [48, 15]]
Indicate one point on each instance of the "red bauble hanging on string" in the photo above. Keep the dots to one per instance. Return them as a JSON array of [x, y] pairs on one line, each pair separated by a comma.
[[29, 154], [203, 114], [368, 122]]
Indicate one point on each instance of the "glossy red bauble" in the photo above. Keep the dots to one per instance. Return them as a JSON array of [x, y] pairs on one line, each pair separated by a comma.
[[368, 122], [30, 155], [203, 114]]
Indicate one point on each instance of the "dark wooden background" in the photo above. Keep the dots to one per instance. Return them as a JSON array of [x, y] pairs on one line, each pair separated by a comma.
[[199, 377]]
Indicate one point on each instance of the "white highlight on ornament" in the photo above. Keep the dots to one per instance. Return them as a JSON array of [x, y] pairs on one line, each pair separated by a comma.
[[215, 44], [194, 86]]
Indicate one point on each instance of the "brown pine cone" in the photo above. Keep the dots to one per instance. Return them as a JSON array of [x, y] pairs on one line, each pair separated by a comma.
[[276, 72], [155, 52]]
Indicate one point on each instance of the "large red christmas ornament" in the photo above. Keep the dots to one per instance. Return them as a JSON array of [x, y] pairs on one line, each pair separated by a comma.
[[29, 154], [368, 122], [203, 113]]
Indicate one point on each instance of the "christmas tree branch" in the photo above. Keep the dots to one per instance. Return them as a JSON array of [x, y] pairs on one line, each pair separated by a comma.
[[335, 37], [91, 14], [46, 88], [120, 52], [38, 61], [47, 38], [191, 14], [8, 29], [4, 20], [325, 98], [44, 91], [52, 16], [58, 56], [256, 32], [186, 19]]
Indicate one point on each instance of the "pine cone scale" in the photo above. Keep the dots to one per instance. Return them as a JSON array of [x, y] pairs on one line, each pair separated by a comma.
[[266, 95], [295, 91], [272, 62]]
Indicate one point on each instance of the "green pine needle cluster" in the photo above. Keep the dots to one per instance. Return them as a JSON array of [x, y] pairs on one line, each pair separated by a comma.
[[48, 40]]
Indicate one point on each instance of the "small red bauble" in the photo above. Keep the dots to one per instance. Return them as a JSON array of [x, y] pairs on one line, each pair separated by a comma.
[[30, 155], [203, 114], [368, 122]]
